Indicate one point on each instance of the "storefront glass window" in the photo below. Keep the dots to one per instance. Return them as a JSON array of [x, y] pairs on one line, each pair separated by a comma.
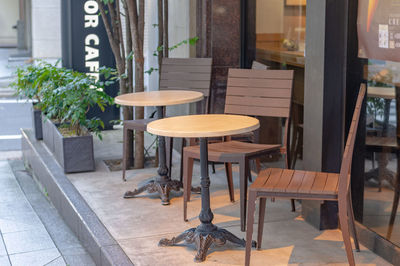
[[280, 44], [382, 150]]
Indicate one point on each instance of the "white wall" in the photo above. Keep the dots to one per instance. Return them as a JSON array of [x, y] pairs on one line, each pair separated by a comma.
[[46, 29], [9, 14], [269, 16]]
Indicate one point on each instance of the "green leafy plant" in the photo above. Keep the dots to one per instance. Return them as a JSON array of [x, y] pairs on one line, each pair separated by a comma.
[[190, 41], [66, 96], [375, 107], [74, 99], [30, 79]]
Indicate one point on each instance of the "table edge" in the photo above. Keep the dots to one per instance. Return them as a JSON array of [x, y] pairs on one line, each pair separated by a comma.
[[176, 102]]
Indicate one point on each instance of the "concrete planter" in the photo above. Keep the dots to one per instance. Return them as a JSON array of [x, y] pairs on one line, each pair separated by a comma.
[[74, 154], [37, 123], [48, 129]]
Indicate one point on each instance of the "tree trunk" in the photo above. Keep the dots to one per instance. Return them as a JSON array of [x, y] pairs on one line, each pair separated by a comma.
[[139, 114], [136, 15], [128, 110], [166, 35], [112, 23]]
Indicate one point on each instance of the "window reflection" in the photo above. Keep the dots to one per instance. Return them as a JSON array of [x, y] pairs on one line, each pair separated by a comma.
[[382, 150], [280, 44]]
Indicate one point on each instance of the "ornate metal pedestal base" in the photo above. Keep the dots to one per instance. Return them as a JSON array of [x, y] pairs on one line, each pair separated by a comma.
[[162, 187], [203, 238]]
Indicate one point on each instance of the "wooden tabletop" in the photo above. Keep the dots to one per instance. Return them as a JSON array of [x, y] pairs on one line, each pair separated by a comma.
[[159, 98], [199, 126], [381, 92]]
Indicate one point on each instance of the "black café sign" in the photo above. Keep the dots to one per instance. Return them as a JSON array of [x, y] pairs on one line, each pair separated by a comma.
[[85, 45]]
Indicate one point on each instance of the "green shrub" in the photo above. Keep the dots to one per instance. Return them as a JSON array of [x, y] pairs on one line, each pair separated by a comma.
[[65, 95]]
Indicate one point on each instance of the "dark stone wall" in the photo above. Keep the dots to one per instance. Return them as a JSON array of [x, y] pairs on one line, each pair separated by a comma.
[[218, 27]]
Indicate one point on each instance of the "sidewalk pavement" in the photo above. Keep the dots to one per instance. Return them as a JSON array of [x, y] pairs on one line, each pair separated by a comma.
[[7, 69], [31, 231]]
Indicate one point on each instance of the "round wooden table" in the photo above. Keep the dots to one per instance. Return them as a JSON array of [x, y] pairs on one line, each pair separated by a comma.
[[203, 126], [163, 184]]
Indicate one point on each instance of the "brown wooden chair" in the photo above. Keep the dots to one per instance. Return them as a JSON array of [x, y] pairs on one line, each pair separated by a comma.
[[176, 74], [295, 184], [249, 92]]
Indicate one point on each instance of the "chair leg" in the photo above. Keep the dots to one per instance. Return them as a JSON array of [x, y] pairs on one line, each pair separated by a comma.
[[187, 183], [293, 205], [243, 165], [169, 142], [344, 225], [261, 216], [373, 160], [258, 165], [228, 170], [213, 167], [181, 168], [293, 148], [352, 224], [124, 151], [249, 174], [250, 224]]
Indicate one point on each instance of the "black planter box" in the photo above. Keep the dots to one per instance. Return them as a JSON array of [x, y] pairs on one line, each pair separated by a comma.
[[48, 129], [37, 123], [74, 154]]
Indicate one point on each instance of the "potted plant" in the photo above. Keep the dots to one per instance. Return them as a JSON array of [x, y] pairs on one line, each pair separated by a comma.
[[27, 85], [67, 98]]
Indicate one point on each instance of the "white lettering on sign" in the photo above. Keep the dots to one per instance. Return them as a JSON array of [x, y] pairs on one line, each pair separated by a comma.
[[92, 41], [91, 7], [92, 38], [91, 21], [92, 65]]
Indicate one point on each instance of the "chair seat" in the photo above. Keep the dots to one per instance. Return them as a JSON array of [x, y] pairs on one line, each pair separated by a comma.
[[229, 150], [297, 184], [140, 124]]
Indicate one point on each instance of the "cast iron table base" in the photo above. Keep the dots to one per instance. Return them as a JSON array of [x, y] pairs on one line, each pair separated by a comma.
[[162, 185], [206, 233], [204, 238]]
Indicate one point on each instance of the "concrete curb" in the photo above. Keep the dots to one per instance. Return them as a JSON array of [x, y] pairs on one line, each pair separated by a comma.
[[76, 213]]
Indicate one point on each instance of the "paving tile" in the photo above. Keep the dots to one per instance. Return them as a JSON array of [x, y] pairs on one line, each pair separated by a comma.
[[3, 251], [20, 222], [4, 261], [8, 195], [18, 206], [57, 262], [27, 241], [35, 258], [9, 183]]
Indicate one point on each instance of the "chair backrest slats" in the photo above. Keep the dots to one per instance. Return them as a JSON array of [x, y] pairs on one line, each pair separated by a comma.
[[345, 169], [186, 74], [192, 74], [259, 92]]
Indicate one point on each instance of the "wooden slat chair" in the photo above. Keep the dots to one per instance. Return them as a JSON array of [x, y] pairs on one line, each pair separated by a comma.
[[249, 92], [296, 184], [176, 74]]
